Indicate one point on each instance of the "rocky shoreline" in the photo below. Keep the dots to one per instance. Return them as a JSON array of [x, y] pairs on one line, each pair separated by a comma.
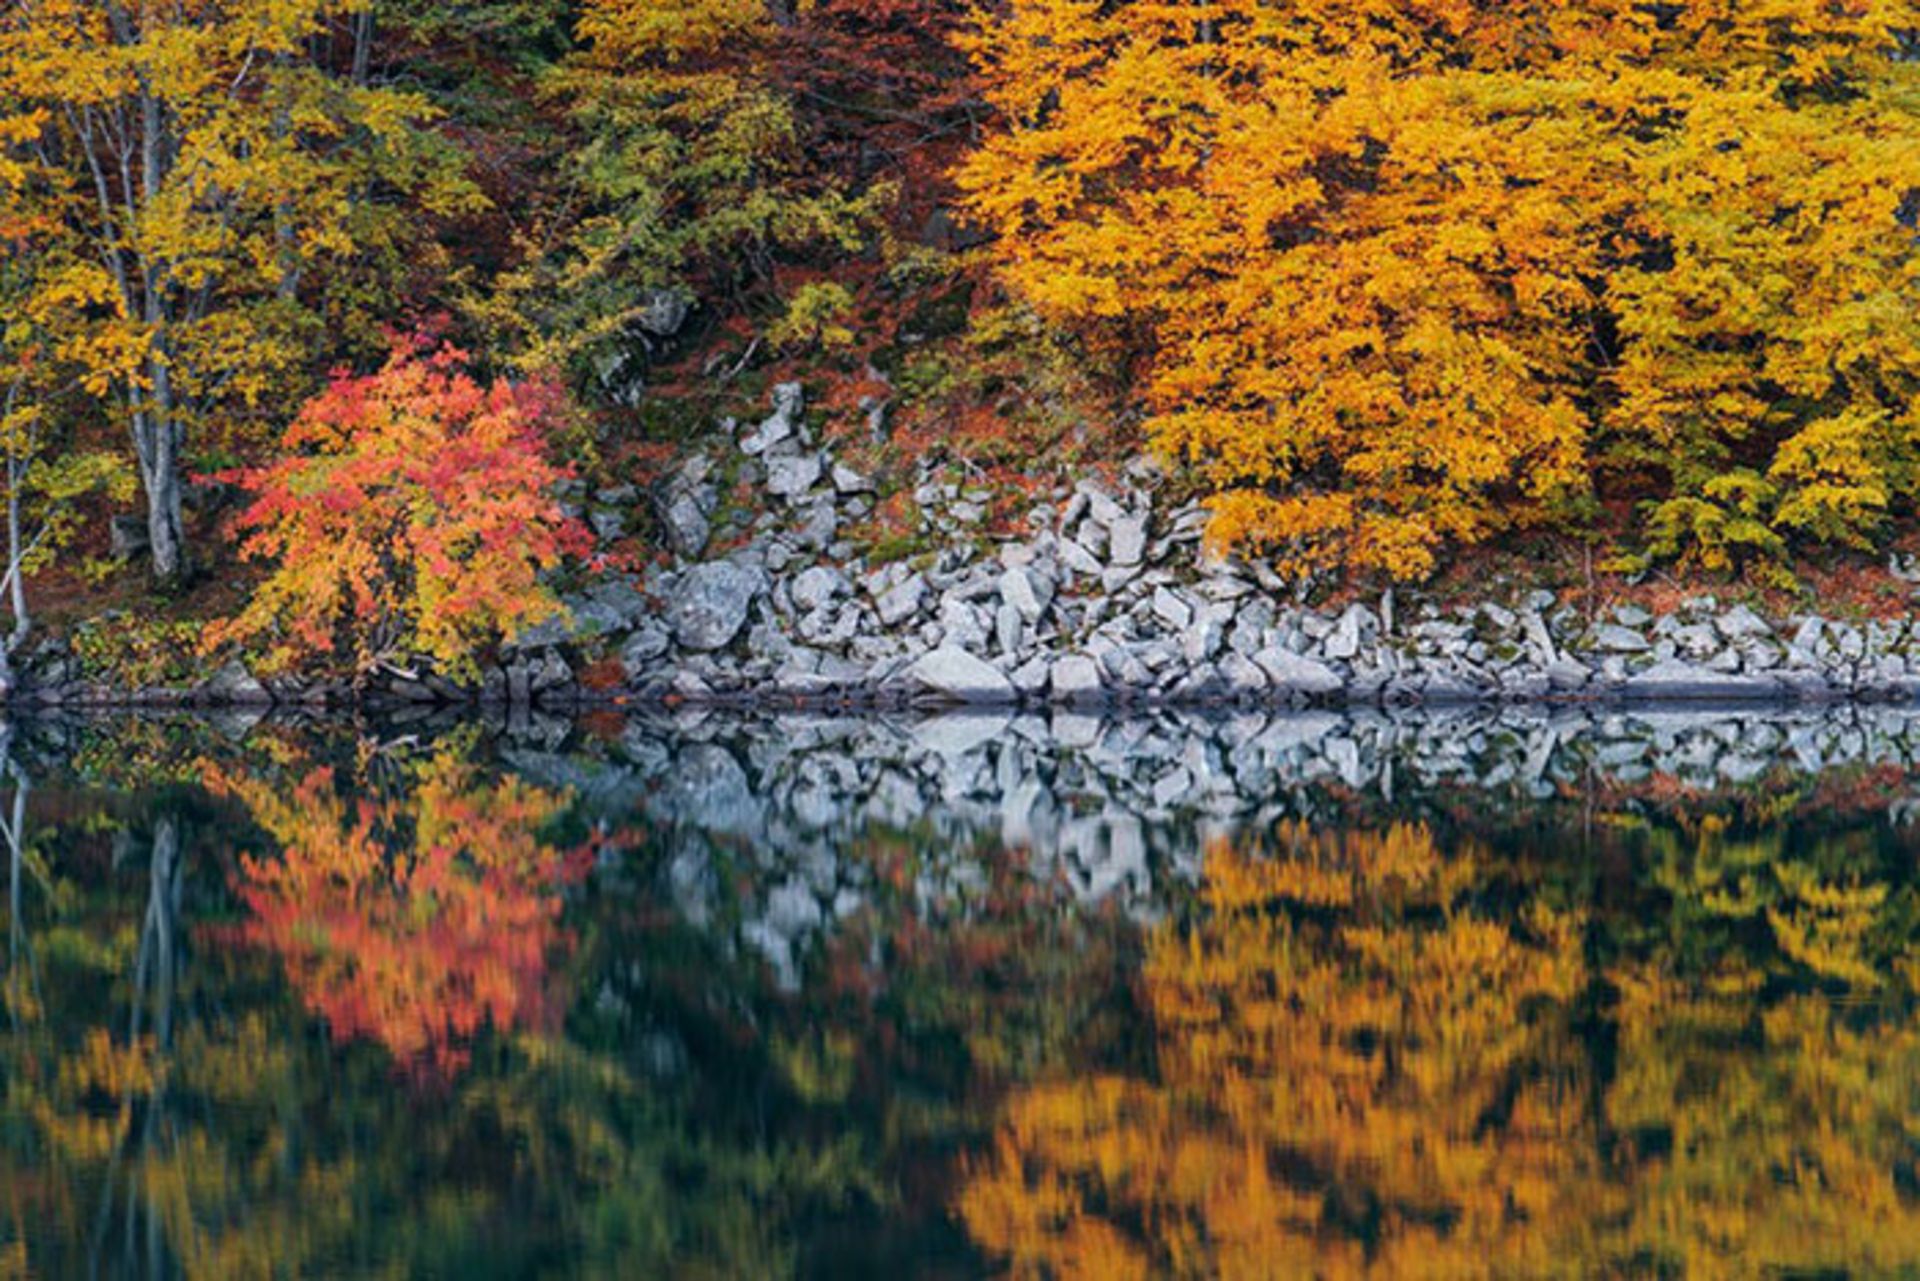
[[1099, 596]]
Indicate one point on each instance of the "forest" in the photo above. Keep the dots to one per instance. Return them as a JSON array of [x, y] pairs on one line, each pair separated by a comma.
[[318, 316]]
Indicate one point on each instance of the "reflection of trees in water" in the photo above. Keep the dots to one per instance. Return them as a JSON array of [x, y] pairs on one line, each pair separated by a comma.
[[167, 1111], [1375, 1054], [172, 1106], [1359, 1048], [411, 915], [144, 1115], [1353, 1063]]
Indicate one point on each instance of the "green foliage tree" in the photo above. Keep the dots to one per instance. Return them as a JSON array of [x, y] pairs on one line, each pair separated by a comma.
[[684, 173]]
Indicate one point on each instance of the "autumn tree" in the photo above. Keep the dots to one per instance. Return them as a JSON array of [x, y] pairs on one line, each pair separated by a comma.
[[235, 195], [1763, 285], [1402, 276], [414, 513], [684, 172], [45, 464]]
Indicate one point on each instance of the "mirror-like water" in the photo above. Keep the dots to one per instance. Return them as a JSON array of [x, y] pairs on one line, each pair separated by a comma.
[[1508, 993]]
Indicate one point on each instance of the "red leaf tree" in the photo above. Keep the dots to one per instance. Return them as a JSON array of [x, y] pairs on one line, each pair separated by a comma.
[[414, 513]]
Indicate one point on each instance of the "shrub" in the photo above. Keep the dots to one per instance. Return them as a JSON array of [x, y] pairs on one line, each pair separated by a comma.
[[414, 513]]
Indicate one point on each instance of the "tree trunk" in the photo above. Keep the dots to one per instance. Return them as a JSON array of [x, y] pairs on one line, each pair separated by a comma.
[[16, 555], [157, 442], [362, 45], [17, 464], [156, 427]]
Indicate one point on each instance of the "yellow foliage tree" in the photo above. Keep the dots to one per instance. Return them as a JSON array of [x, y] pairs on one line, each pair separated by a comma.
[[229, 194], [1402, 275]]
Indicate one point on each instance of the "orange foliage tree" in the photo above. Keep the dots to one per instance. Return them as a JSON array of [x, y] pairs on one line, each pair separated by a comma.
[[1403, 275], [415, 922], [414, 512]]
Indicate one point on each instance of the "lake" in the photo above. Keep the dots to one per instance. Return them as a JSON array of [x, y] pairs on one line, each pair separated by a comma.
[[1517, 993]]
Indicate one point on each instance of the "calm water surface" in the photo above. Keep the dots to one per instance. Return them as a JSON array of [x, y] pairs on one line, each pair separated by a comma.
[[1453, 995]]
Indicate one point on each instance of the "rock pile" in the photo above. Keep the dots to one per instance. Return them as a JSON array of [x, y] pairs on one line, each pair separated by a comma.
[[1106, 597]]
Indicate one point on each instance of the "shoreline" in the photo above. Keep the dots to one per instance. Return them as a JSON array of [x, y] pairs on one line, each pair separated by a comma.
[[1101, 595], [1654, 690]]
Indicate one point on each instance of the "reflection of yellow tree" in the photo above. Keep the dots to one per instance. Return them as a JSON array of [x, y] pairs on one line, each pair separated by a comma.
[[1770, 1131], [123, 1105], [1360, 1070], [1814, 909], [1354, 1067], [1773, 1139], [412, 921]]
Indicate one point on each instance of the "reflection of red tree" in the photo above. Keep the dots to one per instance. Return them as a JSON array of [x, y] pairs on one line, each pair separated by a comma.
[[412, 922]]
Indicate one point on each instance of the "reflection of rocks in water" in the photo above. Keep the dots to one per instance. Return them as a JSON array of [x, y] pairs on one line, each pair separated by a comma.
[[1115, 810]]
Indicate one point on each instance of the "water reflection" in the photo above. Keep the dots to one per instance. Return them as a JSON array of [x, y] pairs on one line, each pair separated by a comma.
[[1378, 1053], [1504, 993], [413, 910]]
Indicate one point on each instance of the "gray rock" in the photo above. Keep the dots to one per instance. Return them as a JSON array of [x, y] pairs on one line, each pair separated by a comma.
[[617, 495], [663, 313], [1202, 639], [1076, 679], [234, 684], [1807, 637], [1007, 628], [1741, 623], [793, 475], [1678, 681], [608, 523], [617, 604], [1611, 638], [1344, 640], [1019, 589], [1296, 673], [1099, 504], [817, 530], [1244, 678], [820, 585], [962, 625], [830, 628], [902, 601], [848, 481], [1539, 640], [1031, 677], [1079, 559], [781, 425], [1171, 610], [1127, 540], [685, 516], [645, 646], [710, 603], [548, 671], [1726, 660], [957, 675]]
